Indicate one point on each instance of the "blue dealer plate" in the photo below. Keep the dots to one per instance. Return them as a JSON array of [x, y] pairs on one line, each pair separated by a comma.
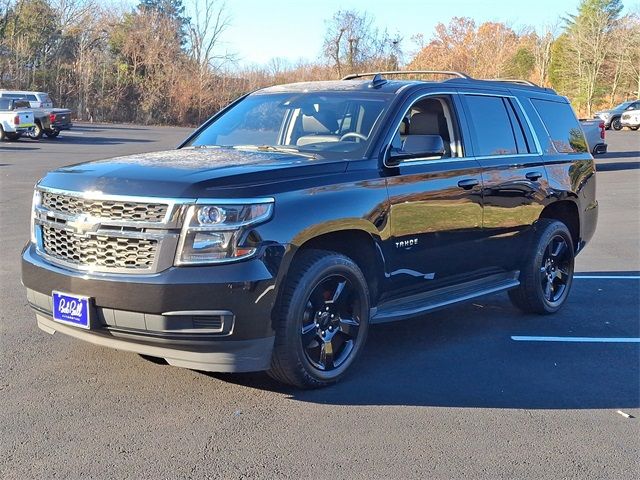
[[71, 309]]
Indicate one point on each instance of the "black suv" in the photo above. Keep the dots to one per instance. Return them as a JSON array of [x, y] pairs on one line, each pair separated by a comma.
[[301, 214]]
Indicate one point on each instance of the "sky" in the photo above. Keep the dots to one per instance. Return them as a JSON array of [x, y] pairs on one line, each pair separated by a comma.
[[264, 29], [294, 29]]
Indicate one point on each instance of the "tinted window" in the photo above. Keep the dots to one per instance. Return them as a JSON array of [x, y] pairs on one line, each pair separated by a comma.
[[562, 125], [32, 98], [492, 125]]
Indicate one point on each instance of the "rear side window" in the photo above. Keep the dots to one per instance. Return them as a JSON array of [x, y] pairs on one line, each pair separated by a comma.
[[32, 98], [562, 125], [492, 124]]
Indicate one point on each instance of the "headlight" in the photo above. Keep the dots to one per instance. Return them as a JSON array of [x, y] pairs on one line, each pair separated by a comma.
[[211, 233], [34, 204]]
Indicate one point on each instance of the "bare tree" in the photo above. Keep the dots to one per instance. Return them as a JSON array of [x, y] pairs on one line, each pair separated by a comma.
[[542, 52], [352, 42]]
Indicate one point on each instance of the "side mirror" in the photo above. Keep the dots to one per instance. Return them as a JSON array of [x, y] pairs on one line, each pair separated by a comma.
[[418, 146]]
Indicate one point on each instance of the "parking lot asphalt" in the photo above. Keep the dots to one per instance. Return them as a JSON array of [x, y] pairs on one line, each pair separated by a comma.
[[469, 392]]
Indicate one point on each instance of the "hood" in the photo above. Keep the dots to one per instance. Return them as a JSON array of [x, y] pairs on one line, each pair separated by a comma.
[[189, 173]]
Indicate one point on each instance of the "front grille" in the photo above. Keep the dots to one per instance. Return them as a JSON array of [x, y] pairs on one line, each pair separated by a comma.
[[104, 209], [99, 250]]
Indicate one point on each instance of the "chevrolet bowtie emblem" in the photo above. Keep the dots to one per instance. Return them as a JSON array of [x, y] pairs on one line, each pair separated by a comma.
[[83, 225]]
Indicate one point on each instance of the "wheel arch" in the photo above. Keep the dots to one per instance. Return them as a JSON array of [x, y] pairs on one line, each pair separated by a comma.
[[565, 211], [359, 244]]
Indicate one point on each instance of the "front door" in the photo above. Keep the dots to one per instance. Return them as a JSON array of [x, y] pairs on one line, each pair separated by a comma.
[[435, 203]]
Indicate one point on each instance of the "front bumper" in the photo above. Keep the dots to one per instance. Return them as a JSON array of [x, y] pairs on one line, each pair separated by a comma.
[[629, 123], [164, 314]]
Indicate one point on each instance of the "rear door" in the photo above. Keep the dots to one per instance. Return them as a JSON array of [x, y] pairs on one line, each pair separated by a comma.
[[513, 174]]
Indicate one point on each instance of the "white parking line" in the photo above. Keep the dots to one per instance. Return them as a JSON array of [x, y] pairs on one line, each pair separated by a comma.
[[608, 277], [577, 339]]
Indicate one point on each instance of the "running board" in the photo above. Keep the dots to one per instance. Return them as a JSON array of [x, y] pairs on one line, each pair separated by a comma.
[[419, 304]]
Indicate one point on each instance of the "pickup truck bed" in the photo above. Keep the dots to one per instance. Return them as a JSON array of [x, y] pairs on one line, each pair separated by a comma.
[[52, 120]]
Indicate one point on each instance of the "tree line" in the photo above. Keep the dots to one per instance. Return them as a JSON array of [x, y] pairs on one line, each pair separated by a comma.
[[159, 63]]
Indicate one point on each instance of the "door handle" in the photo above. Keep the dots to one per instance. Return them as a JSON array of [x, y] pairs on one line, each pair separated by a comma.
[[469, 183], [533, 176]]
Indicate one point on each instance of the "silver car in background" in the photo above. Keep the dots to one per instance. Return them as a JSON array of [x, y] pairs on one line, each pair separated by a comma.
[[36, 99], [613, 116]]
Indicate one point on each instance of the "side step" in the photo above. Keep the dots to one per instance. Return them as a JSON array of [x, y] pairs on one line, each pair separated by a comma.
[[421, 303]]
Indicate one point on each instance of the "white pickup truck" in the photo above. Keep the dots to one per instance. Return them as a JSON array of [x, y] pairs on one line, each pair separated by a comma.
[[594, 132], [14, 123]]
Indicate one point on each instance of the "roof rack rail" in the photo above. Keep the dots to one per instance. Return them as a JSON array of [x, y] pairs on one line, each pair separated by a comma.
[[513, 80], [408, 72]]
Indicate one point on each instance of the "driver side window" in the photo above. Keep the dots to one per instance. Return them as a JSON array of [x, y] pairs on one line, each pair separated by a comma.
[[428, 131]]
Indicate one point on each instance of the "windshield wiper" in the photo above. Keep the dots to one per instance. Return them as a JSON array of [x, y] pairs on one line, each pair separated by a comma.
[[274, 148]]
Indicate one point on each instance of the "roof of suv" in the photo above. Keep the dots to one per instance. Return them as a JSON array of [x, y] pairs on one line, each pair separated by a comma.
[[379, 83]]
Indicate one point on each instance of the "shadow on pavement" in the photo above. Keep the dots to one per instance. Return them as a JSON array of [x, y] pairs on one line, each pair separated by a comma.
[[613, 155], [617, 166], [97, 140], [465, 357]]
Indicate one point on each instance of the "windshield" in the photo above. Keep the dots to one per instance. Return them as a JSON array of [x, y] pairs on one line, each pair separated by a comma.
[[622, 106], [325, 125]]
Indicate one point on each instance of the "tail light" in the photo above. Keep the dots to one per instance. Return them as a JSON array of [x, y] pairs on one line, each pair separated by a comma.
[[16, 120], [602, 130], [52, 118]]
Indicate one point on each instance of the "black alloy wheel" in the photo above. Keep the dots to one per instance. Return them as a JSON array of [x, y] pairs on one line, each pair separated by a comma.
[[322, 319], [546, 274], [331, 323], [556, 269]]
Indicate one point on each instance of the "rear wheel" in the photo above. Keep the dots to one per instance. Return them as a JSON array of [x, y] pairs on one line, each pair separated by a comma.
[[615, 124], [635, 127], [547, 273], [53, 133], [37, 132], [322, 322], [12, 136], [3, 135]]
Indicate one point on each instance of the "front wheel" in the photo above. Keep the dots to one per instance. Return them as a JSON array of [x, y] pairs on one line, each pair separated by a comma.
[[634, 128], [322, 320], [547, 272], [615, 124]]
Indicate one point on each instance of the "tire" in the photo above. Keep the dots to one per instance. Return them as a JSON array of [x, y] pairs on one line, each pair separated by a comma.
[[37, 132], [551, 262], [615, 124], [3, 135], [634, 128], [53, 133], [12, 136], [322, 320]]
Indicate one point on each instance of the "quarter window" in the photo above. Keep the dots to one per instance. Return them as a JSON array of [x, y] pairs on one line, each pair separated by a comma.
[[492, 125], [562, 125]]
